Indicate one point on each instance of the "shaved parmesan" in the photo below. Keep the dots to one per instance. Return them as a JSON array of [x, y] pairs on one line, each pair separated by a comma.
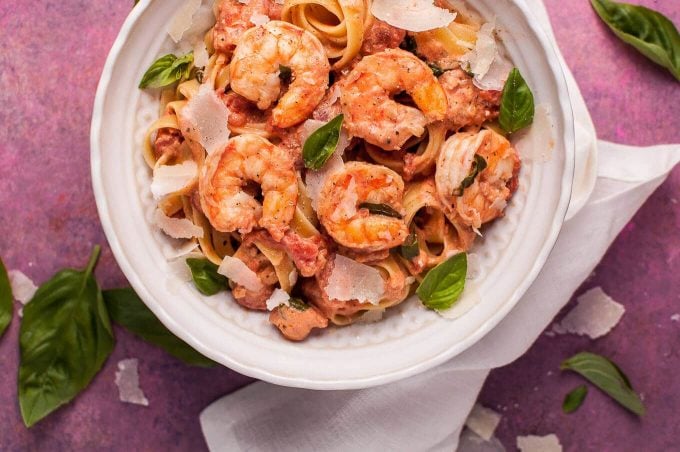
[[293, 277], [372, 316], [485, 61], [172, 178], [236, 270], [208, 117], [259, 19], [470, 442], [183, 250], [347, 207], [177, 228], [412, 15], [315, 180], [23, 287], [279, 297], [532, 443], [351, 280], [483, 421], [201, 56], [127, 380], [595, 315], [182, 20]]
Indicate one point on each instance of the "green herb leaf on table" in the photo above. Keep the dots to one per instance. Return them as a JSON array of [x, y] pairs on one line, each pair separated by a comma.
[[380, 209], [648, 31], [205, 276], [574, 399], [128, 310], [517, 103], [65, 338], [478, 165], [410, 249], [6, 306], [322, 143], [167, 70], [607, 376], [444, 284]]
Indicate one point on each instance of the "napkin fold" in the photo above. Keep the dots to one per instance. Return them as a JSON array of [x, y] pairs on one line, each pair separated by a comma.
[[612, 181]]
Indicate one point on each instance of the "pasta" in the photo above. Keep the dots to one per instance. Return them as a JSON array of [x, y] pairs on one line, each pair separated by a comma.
[[319, 158]]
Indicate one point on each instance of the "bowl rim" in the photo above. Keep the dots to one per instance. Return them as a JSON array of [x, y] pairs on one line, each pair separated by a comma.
[[568, 139]]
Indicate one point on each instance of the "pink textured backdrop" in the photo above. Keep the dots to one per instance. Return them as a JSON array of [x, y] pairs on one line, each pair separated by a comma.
[[50, 62]]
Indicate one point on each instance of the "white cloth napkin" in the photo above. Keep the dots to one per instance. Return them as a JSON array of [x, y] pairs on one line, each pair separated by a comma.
[[427, 412]]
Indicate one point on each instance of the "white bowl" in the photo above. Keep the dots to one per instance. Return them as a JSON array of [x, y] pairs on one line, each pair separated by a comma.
[[410, 339]]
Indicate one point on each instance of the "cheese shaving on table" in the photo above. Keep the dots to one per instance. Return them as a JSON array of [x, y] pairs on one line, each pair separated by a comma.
[[532, 443], [23, 287], [237, 271], [279, 297], [595, 315], [209, 118], [182, 20], [351, 280], [483, 421], [172, 178], [127, 380], [412, 15], [177, 228]]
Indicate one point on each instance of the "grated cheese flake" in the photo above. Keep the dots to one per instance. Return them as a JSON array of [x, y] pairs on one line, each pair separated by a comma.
[[315, 180], [177, 228], [23, 287], [279, 297], [259, 19], [595, 315], [172, 178], [351, 280], [532, 443], [412, 15], [182, 20], [483, 421], [208, 116], [236, 270], [127, 380]]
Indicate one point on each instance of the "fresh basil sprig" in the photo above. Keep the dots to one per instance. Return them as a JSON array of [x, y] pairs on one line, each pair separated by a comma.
[[380, 209], [128, 310], [607, 376], [5, 299], [444, 284], [205, 276], [574, 399], [167, 70], [322, 143], [410, 249], [65, 338], [478, 165], [517, 103], [650, 32]]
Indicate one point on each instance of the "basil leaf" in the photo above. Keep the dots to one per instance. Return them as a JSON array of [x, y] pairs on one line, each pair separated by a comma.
[[128, 310], [6, 306], [380, 209], [444, 284], [650, 32], [65, 338], [436, 70], [517, 103], [285, 73], [606, 375], [478, 165], [410, 249], [298, 304], [167, 70], [205, 276], [322, 143], [574, 399]]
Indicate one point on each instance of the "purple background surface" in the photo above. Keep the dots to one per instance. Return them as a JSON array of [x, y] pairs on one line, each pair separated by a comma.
[[50, 62]]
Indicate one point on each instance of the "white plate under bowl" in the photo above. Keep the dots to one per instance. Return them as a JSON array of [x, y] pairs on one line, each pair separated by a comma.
[[410, 339]]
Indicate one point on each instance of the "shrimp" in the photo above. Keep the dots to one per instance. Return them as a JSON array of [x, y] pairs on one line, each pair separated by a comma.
[[484, 199], [234, 17], [258, 60], [370, 112], [379, 36], [296, 323], [468, 105], [353, 226], [224, 186]]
